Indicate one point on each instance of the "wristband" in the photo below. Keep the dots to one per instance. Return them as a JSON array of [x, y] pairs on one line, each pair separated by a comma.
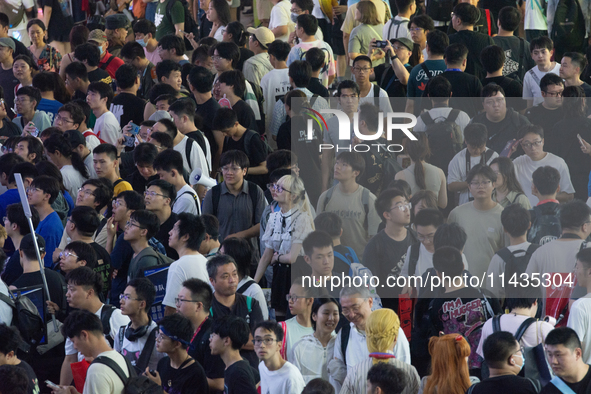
[[393, 58]]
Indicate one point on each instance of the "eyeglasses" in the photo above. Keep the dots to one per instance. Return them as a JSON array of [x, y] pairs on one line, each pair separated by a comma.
[[32, 190], [346, 96], [117, 203], [493, 102], [293, 298], [178, 301], [21, 99], [129, 223], [402, 207], [86, 191], [127, 297], [424, 238], [232, 170], [554, 94], [66, 254], [5, 219], [216, 57], [153, 194], [479, 184], [362, 69], [161, 336], [417, 29], [62, 119], [276, 188], [6, 149], [529, 145], [267, 341]]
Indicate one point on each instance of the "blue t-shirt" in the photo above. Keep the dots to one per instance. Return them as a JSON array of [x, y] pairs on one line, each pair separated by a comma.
[[8, 197], [69, 200], [50, 107], [120, 259], [51, 229]]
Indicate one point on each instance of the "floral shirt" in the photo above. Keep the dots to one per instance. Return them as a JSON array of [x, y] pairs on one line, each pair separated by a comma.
[[49, 60]]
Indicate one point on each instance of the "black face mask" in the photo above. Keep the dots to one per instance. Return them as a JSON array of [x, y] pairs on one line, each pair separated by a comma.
[[134, 334]]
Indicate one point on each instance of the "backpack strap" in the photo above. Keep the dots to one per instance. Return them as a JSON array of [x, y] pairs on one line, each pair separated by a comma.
[[253, 193], [106, 64], [216, 193], [109, 362], [471, 389], [106, 314], [147, 351], [365, 202], [189, 148], [195, 198], [453, 115], [245, 286], [523, 328], [121, 336], [118, 181], [345, 333], [415, 249], [506, 255], [516, 197], [561, 385], [283, 349], [427, 119], [327, 198], [534, 76], [376, 91], [496, 323]]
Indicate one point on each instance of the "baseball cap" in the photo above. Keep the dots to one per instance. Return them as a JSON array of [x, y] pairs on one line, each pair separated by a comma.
[[97, 36], [404, 41], [7, 42], [263, 35]]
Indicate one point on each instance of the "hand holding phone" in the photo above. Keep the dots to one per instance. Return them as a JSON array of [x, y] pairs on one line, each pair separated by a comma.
[[135, 129], [52, 385]]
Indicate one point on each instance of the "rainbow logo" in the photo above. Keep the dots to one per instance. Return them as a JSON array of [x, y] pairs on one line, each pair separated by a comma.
[[316, 115]]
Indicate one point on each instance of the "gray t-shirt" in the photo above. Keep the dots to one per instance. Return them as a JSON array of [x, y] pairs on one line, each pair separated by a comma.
[[361, 37]]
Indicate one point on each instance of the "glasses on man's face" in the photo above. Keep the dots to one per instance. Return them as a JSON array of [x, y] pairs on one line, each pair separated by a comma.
[[127, 297], [32, 190], [233, 169], [480, 184], [67, 254], [161, 337], [495, 102], [21, 100], [153, 194], [424, 238], [402, 207], [362, 69], [86, 192], [554, 94], [276, 188], [129, 223], [117, 203], [293, 298], [529, 145], [266, 341], [6, 149], [416, 29], [60, 119], [217, 57], [179, 301]]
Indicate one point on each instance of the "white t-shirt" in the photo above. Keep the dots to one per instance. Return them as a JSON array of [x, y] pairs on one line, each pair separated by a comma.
[[385, 106], [317, 12], [186, 203], [286, 380], [439, 115], [25, 4], [295, 332], [281, 16], [400, 30], [107, 128], [219, 34], [102, 379], [186, 267], [255, 291], [534, 18], [456, 171], [117, 320], [423, 264], [525, 167], [497, 267], [555, 256], [73, 180], [197, 159], [91, 140], [274, 84], [579, 320], [531, 85], [5, 309], [133, 349], [88, 161]]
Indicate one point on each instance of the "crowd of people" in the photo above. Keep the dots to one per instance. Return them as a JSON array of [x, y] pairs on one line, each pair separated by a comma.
[[196, 227]]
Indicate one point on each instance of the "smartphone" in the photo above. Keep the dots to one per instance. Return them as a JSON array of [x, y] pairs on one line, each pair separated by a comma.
[[580, 139], [505, 152], [129, 141], [381, 44], [52, 385], [135, 129]]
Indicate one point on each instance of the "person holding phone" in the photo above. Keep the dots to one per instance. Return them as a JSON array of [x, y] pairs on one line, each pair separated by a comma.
[[369, 28], [30, 120]]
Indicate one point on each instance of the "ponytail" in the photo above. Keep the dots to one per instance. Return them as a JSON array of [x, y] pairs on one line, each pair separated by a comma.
[[419, 151], [79, 165]]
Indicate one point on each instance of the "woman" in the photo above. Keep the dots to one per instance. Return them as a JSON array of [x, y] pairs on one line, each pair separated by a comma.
[[507, 188], [285, 232], [23, 69], [218, 13], [449, 366], [78, 36], [381, 333], [61, 92], [242, 252], [74, 171], [369, 28], [235, 33], [419, 27], [421, 175], [312, 353], [58, 19], [63, 204], [47, 57]]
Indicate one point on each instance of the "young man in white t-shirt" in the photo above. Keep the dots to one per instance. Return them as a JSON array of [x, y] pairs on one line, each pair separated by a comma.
[[532, 142], [426, 222], [398, 26], [579, 318], [99, 98], [280, 23], [542, 49], [275, 83], [169, 166], [300, 305], [277, 375], [362, 68]]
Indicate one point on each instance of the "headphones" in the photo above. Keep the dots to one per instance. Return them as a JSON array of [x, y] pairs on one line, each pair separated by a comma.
[[326, 62], [135, 334]]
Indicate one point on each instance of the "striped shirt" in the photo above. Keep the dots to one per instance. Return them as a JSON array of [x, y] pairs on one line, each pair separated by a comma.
[[356, 380]]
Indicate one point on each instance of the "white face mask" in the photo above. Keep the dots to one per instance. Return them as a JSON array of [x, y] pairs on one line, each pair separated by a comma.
[[522, 361], [294, 17]]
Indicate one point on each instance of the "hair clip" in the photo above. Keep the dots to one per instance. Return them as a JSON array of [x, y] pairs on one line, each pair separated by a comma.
[[441, 333], [459, 338]]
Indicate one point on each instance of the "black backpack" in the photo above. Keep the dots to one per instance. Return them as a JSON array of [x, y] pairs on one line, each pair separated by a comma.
[[544, 227], [516, 75], [258, 93], [253, 193], [26, 318], [516, 265], [568, 29], [190, 25], [440, 10], [446, 136], [415, 250], [106, 314], [133, 384]]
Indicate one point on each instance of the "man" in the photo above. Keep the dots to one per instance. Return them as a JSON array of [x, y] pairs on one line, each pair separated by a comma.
[[116, 32], [545, 186], [317, 59], [77, 254], [211, 242], [145, 31], [169, 166], [200, 84], [397, 27], [331, 223], [223, 276], [236, 194], [578, 318], [183, 114], [17, 227], [300, 307], [352, 202], [532, 142], [133, 54], [144, 155], [185, 237], [42, 193], [505, 359], [7, 79], [77, 80], [7, 163], [462, 83], [127, 106], [45, 82], [229, 334], [171, 47], [90, 55], [564, 354], [501, 122], [172, 22], [136, 341], [493, 59], [169, 72], [30, 149], [105, 165], [464, 17], [108, 62], [233, 86], [369, 93], [84, 287], [27, 99], [20, 47], [10, 341], [276, 373], [194, 301], [99, 98], [550, 111], [437, 41], [85, 331], [257, 66], [571, 67], [275, 83], [79, 145], [357, 305], [542, 50], [13, 380], [159, 197], [481, 218], [384, 378], [141, 226]]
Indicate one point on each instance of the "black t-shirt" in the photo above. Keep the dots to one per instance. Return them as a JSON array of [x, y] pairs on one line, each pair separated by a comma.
[[507, 384], [9, 129], [499, 133], [128, 107], [188, 380], [256, 154], [103, 266], [513, 91], [100, 75], [239, 378], [483, 23], [316, 87], [12, 269], [513, 55], [59, 24], [475, 42], [464, 85], [207, 112], [212, 364], [31, 377], [547, 118], [581, 387], [8, 82], [55, 283], [204, 26], [387, 80], [162, 235], [138, 182], [587, 88], [245, 115]]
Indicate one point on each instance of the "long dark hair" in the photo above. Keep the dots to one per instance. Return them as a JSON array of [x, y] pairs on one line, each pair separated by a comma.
[[223, 10], [507, 170], [418, 151], [45, 167], [415, 56], [318, 302], [61, 92], [236, 29], [60, 143], [242, 252]]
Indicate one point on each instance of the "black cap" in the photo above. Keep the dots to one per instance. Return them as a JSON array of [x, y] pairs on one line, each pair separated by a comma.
[[75, 137]]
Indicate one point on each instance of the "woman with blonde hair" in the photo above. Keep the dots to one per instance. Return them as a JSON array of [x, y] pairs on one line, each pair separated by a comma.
[[449, 366], [369, 28], [285, 232], [381, 334]]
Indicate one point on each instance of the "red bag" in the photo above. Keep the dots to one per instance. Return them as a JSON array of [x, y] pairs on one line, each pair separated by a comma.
[[79, 370]]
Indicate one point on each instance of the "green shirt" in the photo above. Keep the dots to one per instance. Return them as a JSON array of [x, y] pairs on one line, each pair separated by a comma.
[[165, 25]]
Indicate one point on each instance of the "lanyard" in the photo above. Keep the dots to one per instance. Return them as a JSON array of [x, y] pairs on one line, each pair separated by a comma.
[[453, 69], [198, 329]]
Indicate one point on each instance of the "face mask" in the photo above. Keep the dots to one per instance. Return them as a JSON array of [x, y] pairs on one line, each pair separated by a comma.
[[101, 50], [294, 17], [142, 42], [523, 361]]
